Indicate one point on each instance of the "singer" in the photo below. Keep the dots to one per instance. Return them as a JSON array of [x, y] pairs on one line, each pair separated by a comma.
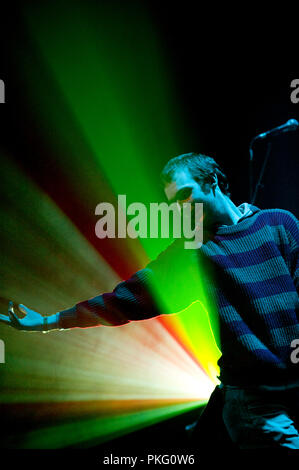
[[249, 266]]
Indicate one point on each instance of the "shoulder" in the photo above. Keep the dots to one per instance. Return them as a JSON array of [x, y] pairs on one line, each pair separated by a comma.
[[284, 223], [278, 216]]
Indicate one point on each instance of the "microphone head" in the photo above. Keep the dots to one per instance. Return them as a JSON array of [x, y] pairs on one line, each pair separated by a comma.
[[292, 123]]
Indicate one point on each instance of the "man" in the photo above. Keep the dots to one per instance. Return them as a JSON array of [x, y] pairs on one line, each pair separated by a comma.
[[248, 265]]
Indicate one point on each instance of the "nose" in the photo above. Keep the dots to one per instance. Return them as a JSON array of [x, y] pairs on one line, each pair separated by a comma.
[[184, 201]]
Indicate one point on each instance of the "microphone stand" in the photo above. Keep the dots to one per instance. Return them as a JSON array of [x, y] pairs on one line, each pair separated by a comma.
[[253, 194], [290, 125]]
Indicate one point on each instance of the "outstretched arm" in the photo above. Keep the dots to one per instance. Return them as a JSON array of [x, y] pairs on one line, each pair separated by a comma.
[[130, 300], [138, 298]]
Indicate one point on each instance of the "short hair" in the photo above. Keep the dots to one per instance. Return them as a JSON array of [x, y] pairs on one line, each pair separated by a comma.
[[201, 167]]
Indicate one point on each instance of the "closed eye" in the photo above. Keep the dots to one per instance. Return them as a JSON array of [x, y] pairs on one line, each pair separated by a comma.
[[183, 194]]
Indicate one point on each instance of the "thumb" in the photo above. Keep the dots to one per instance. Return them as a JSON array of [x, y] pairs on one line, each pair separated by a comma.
[[13, 317]]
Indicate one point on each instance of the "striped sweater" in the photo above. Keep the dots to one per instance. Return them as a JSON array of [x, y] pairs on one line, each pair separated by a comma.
[[249, 271]]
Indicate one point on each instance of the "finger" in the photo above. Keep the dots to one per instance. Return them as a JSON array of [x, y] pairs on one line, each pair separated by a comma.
[[5, 319], [22, 308], [13, 317]]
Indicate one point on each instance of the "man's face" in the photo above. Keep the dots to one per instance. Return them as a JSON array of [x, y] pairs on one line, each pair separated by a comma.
[[185, 189]]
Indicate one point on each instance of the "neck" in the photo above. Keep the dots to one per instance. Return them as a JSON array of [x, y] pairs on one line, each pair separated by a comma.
[[228, 213]]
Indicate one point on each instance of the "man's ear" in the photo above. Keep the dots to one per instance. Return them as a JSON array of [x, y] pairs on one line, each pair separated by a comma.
[[214, 183]]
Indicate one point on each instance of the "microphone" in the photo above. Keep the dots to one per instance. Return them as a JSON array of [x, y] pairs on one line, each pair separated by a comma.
[[290, 125]]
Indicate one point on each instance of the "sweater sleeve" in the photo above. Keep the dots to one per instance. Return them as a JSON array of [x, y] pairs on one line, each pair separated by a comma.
[[152, 291], [291, 225]]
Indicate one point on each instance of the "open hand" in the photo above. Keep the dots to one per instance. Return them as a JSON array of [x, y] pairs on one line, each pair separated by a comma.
[[33, 321]]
